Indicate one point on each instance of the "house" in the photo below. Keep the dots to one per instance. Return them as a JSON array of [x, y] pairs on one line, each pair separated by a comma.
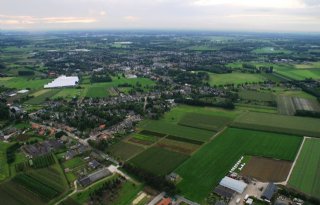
[[94, 164], [165, 201], [269, 191]]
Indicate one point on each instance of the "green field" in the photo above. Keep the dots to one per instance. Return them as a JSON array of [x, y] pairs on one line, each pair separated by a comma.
[[279, 123], [202, 121], [125, 150], [270, 50], [210, 164], [307, 65], [256, 96], [41, 98], [299, 74], [306, 173], [97, 90], [158, 160], [169, 124], [142, 137], [4, 167], [23, 83], [69, 93], [73, 163], [235, 78]]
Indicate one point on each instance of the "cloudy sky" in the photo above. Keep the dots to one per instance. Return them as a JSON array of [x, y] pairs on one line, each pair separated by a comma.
[[242, 15]]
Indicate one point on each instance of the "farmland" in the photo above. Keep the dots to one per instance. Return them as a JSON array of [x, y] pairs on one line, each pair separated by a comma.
[[41, 98], [266, 170], [4, 168], [178, 146], [306, 173], [290, 105], [23, 83], [125, 150], [206, 122], [158, 161], [256, 96], [235, 78], [207, 166], [279, 123]]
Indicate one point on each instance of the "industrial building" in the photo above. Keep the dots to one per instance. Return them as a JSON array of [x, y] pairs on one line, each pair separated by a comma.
[[63, 81]]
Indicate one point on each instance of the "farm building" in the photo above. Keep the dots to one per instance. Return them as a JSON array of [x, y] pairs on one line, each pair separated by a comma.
[[270, 190], [224, 191], [63, 81], [93, 177], [233, 184]]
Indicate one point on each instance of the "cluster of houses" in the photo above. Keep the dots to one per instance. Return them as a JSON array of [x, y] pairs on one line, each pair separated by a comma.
[[41, 148]]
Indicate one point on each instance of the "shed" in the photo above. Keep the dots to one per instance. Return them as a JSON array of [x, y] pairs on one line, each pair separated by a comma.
[[270, 190], [233, 184]]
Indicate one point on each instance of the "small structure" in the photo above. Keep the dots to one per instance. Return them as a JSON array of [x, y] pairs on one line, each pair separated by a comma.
[[94, 164], [270, 190], [233, 184], [165, 201], [23, 91], [249, 201]]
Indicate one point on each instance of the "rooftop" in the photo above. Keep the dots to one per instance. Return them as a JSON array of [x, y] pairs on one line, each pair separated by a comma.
[[63, 81], [233, 184]]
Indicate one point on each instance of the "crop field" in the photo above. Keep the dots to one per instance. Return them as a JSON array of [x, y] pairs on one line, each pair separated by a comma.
[[158, 160], [289, 105], [4, 167], [300, 74], [202, 121], [178, 146], [23, 83], [235, 77], [307, 65], [42, 97], [143, 139], [125, 150], [69, 93], [204, 170], [266, 170], [256, 96], [306, 173], [303, 126]]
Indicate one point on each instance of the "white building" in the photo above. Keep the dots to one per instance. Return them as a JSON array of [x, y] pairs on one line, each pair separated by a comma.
[[233, 184], [63, 81]]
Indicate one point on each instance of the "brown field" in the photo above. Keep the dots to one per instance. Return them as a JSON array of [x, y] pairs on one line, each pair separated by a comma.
[[182, 147], [267, 170]]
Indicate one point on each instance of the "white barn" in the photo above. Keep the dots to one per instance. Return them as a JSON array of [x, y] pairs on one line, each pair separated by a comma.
[[233, 184], [63, 81]]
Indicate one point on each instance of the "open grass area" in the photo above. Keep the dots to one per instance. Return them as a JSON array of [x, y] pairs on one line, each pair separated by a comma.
[[235, 78], [204, 170], [23, 82], [303, 126], [307, 65], [158, 160], [256, 96], [69, 93], [202, 121], [125, 150], [306, 173], [73, 163], [299, 74]]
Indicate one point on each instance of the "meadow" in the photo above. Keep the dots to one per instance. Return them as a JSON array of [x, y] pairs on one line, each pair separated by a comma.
[[235, 78], [210, 164], [306, 173], [23, 82], [303, 126], [158, 161], [256, 96], [41, 98], [4, 167]]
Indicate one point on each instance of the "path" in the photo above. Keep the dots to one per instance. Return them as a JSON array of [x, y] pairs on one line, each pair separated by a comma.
[[295, 160]]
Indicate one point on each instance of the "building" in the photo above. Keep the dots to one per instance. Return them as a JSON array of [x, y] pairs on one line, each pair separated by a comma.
[[93, 177], [233, 184], [224, 192], [63, 81], [270, 190]]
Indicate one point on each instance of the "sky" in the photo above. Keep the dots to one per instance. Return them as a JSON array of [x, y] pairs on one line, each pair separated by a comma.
[[216, 15]]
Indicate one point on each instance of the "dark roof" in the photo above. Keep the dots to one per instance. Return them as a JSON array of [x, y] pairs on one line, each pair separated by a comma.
[[270, 190], [224, 191], [220, 203]]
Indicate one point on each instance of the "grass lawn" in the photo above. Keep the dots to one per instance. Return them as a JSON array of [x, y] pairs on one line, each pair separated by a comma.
[[73, 163], [125, 150], [235, 78], [279, 123], [23, 82], [306, 173], [203, 171], [158, 160]]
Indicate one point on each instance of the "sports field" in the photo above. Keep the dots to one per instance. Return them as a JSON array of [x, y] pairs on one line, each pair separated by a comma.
[[205, 168], [279, 123], [306, 173], [235, 78], [158, 160]]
